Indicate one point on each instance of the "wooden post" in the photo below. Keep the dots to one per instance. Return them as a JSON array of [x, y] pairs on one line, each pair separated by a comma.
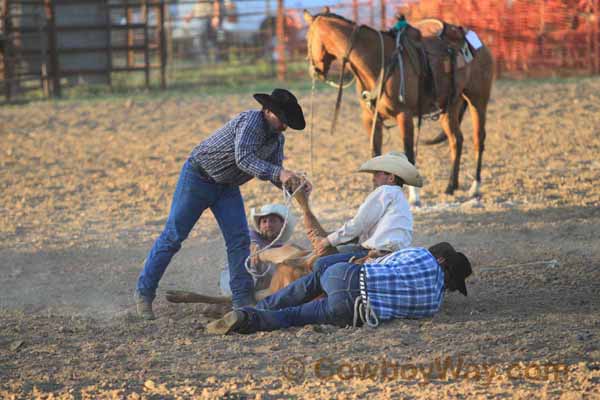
[[596, 40], [590, 37], [43, 52], [162, 39], [130, 34], [281, 67], [355, 10], [146, 46], [269, 32], [6, 58], [382, 5], [53, 49], [109, 55]]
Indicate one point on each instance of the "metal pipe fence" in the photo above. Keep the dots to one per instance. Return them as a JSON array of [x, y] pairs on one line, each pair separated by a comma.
[[46, 47]]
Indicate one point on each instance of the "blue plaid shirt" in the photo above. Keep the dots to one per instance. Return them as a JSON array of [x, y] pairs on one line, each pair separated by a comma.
[[407, 283], [244, 148]]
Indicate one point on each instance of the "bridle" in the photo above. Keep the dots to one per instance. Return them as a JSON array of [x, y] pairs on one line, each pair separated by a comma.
[[322, 74]]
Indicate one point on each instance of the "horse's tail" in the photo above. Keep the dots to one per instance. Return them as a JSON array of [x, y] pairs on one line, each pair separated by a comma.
[[182, 296]]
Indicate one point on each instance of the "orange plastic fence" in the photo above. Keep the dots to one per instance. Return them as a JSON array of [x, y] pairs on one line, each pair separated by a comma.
[[528, 36]]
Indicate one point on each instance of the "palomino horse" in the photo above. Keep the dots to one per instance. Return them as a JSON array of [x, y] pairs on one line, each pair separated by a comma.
[[332, 37], [291, 263]]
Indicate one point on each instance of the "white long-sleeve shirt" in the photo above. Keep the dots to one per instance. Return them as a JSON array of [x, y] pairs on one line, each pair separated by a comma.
[[383, 222]]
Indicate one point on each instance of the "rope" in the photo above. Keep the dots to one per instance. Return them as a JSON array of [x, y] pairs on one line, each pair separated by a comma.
[[379, 89], [345, 59], [337, 85], [365, 313], [310, 132], [544, 263], [287, 197], [416, 148]]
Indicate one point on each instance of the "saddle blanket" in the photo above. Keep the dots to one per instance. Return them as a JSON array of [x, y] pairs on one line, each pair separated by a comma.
[[473, 40]]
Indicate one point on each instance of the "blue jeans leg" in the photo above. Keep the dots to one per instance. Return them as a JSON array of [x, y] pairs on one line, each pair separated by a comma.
[[341, 284], [298, 292], [323, 263], [306, 288], [193, 194], [230, 214]]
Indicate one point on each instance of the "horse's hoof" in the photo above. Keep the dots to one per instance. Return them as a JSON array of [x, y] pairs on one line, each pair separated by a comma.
[[449, 190], [415, 204], [475, 190]]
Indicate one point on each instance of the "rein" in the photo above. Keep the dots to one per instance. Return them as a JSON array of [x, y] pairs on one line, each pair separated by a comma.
[[341, 87], [379, 88]]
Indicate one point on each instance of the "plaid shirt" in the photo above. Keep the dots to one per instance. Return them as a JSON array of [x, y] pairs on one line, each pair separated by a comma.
[[244, 148], [407, 283]]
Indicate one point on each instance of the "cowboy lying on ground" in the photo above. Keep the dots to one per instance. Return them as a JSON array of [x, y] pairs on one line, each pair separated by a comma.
[[267, 224], [407, 283], [250, 145], [383, 222]]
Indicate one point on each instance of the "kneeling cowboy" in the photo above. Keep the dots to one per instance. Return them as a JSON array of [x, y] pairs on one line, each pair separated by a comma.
[[408, 283], [384, 221]]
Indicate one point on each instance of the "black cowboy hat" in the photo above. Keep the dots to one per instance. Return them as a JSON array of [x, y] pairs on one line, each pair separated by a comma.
[[458, 265], [283, 104]]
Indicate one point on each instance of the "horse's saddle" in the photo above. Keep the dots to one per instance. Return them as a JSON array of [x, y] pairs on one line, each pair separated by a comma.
[[439, 53]]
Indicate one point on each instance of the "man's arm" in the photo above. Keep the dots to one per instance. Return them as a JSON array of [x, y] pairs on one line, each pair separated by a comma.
[[247, 142], [369, 213]]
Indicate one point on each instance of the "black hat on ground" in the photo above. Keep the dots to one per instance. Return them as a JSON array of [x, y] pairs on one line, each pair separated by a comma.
[[457, 265], [283, 104]]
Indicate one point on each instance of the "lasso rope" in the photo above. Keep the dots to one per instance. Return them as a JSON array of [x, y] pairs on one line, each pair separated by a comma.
[[544, 263], [310, 132], [287, 197], [379, 90], [365, 313]]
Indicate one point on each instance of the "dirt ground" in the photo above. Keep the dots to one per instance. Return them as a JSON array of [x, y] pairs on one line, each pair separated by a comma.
[[85, 187]]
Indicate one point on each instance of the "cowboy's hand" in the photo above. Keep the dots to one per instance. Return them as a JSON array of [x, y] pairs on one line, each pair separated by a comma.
[[254, 260], [285, 175], [308, 187], [321, 245]]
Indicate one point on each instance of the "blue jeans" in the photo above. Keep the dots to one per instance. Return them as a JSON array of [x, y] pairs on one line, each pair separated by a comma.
[[299, 292], [340, 282], [194, 194]]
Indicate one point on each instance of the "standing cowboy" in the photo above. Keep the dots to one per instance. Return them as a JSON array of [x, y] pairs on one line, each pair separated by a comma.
[[408, 283], [248, 146]]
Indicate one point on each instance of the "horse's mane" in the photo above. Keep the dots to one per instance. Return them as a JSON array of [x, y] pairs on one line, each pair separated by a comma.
[[341, 18], [336, 16]]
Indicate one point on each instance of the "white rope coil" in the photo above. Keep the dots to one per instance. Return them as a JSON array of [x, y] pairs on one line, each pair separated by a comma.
[[365, 313]]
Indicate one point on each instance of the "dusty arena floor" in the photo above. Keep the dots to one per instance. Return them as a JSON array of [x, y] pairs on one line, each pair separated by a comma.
[[85, 187]]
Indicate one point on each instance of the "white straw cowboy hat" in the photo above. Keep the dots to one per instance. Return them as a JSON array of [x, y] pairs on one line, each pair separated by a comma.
[[394, 163], [277, 209]]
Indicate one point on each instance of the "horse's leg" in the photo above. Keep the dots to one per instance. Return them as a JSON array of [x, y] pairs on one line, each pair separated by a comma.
[[441, 137], [478, 113], [478, 95], [451, 126], [407, 129], [376, 140]]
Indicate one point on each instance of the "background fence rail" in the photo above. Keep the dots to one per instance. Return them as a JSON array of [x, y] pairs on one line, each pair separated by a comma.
[[45, 48]]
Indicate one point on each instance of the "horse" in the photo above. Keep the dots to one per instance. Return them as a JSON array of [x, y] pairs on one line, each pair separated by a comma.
[[332, 37]]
